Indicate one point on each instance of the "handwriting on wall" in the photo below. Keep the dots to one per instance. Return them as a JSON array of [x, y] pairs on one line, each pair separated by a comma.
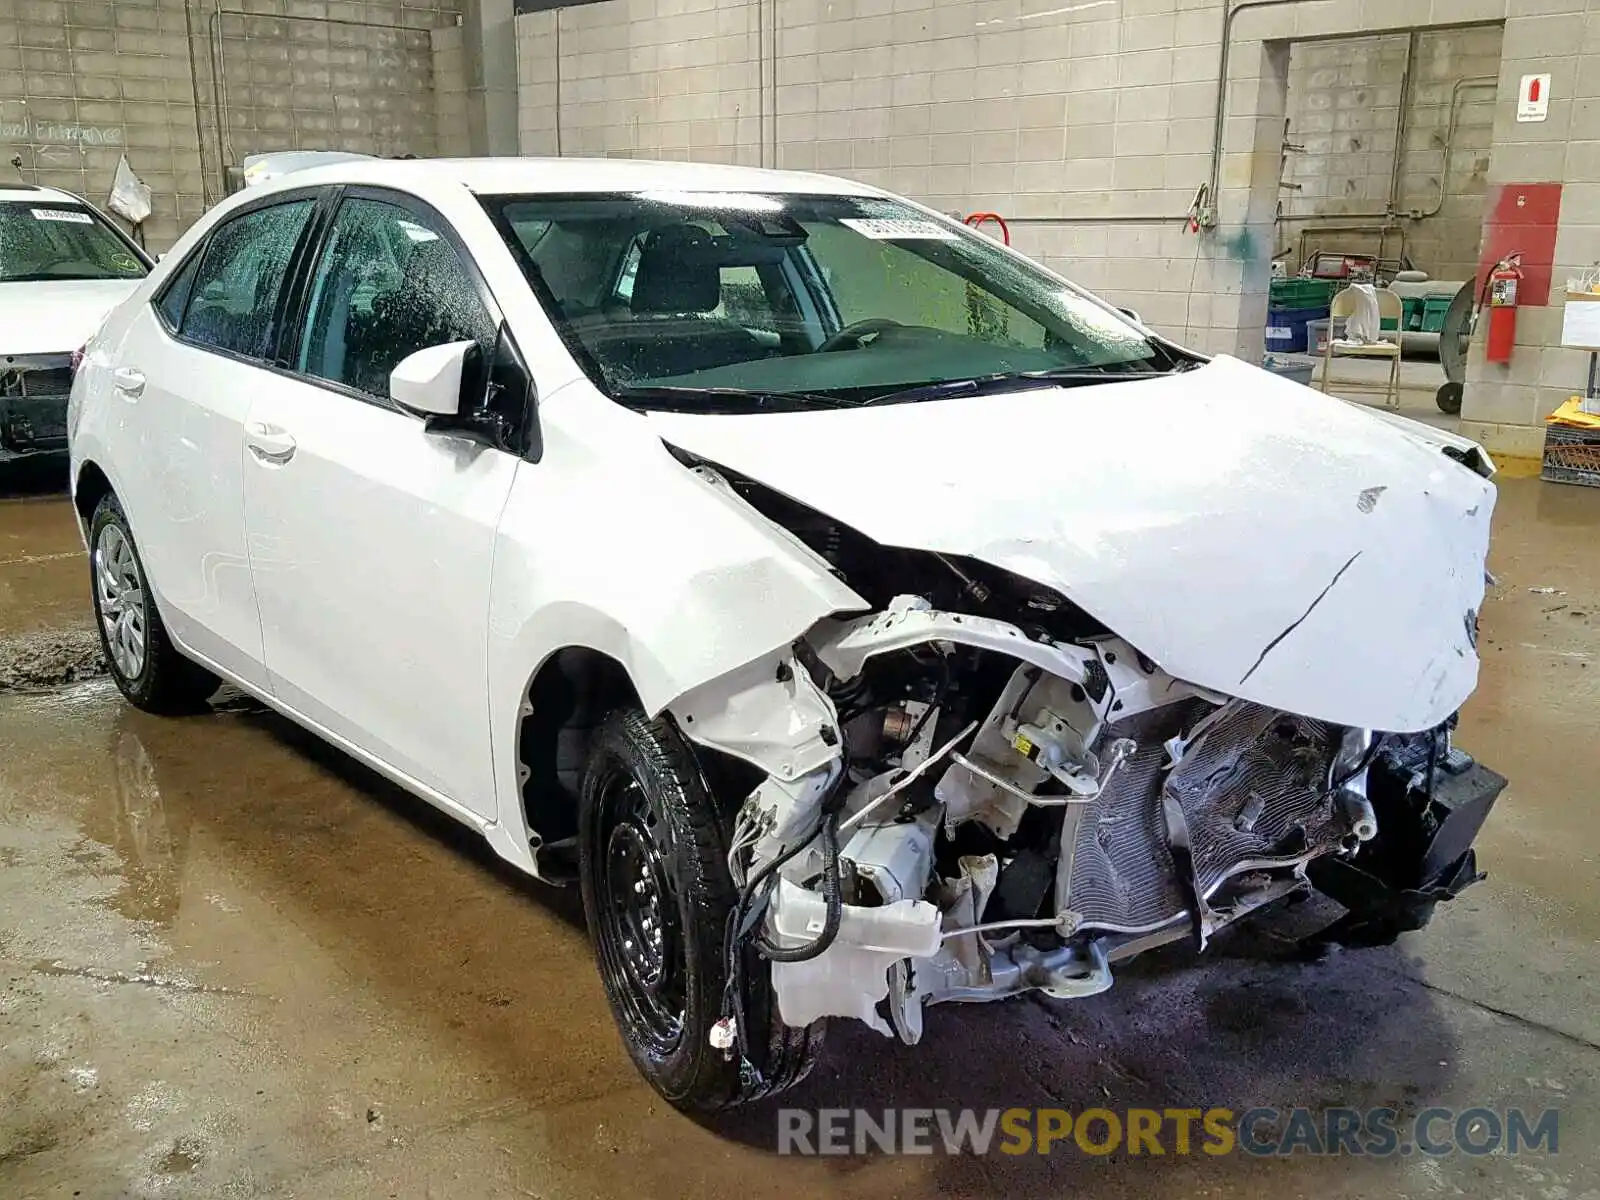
[[38, 132]]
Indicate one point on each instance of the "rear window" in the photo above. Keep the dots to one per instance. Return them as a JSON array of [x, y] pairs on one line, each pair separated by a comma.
[[44, 241]]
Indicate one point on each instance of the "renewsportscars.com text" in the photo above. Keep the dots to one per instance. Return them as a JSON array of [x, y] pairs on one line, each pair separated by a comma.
[[1262, 1132]]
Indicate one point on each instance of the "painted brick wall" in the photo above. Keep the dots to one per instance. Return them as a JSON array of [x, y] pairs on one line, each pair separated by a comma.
[[1506, 405], [83, 81]]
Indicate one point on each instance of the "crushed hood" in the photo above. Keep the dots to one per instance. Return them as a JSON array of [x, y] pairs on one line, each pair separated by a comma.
[[1250, 535], [56, 318]]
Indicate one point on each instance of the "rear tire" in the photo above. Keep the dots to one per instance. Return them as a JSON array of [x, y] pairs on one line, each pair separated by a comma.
[[1449, 398], [653, 865], [147, 667]]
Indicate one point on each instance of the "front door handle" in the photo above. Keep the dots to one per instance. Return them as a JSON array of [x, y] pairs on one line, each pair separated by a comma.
[[270, 445], [129, 381]]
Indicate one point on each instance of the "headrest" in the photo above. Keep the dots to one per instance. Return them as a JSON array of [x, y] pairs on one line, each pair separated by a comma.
[[678, 272]]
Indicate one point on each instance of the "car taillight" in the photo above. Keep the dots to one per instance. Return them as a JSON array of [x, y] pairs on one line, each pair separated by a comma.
[[76, 360]]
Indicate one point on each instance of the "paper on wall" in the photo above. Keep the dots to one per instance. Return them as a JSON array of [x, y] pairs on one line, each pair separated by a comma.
[[1580, 321]]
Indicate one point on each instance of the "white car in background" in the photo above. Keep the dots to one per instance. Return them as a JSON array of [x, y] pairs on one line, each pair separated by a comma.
[[63, 266], [275, 164], [862, 615]]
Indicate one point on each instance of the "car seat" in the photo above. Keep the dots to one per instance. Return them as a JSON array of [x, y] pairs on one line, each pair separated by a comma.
[[676, 290]]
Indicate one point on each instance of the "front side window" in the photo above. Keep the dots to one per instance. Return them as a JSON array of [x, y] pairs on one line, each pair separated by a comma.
[[233, 301], [42, 241], [388, 285], [807, 299]]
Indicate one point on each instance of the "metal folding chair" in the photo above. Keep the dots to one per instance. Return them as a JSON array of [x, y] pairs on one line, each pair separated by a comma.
[[1389, 308]]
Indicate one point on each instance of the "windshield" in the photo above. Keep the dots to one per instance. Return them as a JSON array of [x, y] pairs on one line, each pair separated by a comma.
[[694, 300], [50, 240]]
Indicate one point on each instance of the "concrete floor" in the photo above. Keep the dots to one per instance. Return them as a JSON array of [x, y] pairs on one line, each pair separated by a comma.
[[234, 964]]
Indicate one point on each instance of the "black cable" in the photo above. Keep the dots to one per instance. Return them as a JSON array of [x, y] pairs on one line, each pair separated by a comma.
[[938, 700], [733, 961], [1362, 764], [831, 893]]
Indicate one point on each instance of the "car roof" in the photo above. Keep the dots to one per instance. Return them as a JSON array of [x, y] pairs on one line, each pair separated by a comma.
[[512, 176], [39, 195]]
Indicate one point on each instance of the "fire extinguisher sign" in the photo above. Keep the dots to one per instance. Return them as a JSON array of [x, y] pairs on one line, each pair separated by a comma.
[[1533, 102]]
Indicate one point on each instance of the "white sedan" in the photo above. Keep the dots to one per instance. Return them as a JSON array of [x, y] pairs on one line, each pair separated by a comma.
[[63, 266], [861, 614]]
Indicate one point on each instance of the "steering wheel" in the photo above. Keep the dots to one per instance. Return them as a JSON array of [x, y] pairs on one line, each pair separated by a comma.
[[852, 335]]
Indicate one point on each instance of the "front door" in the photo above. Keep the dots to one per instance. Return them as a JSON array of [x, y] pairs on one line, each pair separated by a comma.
[[370, 539]]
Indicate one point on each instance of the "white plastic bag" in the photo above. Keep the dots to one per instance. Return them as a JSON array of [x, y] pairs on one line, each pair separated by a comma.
[[130, 195], [1366, 323]]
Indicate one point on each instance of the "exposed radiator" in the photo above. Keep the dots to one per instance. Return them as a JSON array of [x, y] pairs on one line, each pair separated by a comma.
[[1252, 793]]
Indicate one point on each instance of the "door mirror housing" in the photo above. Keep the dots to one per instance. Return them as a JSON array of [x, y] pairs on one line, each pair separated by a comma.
[[429, 382]]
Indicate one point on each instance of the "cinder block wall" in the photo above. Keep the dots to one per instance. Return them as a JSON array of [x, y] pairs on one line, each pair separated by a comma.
[[84, 81], [1058, 116], [1091, 123], [1345, 111], [308, 75], [453, 127]]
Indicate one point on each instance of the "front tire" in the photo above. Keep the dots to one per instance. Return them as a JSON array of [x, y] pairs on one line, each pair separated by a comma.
[[147, 667], [653, 865]]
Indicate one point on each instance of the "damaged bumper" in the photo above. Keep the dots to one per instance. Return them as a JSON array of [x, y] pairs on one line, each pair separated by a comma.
[[33, 404], [1430, 800], [1013, 813]]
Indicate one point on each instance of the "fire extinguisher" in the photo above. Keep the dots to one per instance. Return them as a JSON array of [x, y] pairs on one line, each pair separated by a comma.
[[1503, 284]]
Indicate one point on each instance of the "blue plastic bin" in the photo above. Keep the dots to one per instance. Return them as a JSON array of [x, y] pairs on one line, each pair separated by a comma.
[[1286, 328]]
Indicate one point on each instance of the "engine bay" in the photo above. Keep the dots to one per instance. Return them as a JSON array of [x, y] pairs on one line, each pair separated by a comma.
[[982, 791]]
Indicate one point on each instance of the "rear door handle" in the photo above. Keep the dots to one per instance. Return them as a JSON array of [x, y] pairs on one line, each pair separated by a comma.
[[270, 445], [129, 381]]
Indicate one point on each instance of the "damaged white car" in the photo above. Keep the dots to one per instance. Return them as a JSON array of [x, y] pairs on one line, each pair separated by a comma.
[[863, 616]]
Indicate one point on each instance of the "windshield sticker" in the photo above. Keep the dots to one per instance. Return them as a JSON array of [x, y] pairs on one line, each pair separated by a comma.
[[77, 217], [888, 229]]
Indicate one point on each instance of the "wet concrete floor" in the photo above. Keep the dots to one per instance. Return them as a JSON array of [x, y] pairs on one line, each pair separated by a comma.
[[232, 963]]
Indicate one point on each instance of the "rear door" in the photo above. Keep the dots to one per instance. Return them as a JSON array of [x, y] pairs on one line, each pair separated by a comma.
[[190, 367], [371, 539]]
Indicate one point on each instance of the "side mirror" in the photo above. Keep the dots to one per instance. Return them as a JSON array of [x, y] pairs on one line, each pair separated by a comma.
[[429, 382]]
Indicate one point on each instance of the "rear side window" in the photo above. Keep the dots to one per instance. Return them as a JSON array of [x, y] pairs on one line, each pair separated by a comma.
[[175, 296], [234, 295]]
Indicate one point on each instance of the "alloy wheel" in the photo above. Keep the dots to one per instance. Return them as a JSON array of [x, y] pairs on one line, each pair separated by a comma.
[[121, 601]]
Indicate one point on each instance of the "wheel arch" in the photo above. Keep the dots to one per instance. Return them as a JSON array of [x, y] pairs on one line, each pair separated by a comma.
[[566, 698], [90, 487]]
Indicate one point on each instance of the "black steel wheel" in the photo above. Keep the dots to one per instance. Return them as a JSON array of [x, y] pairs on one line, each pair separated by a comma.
[[1449, 397], [653, 867], [639, 933]]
